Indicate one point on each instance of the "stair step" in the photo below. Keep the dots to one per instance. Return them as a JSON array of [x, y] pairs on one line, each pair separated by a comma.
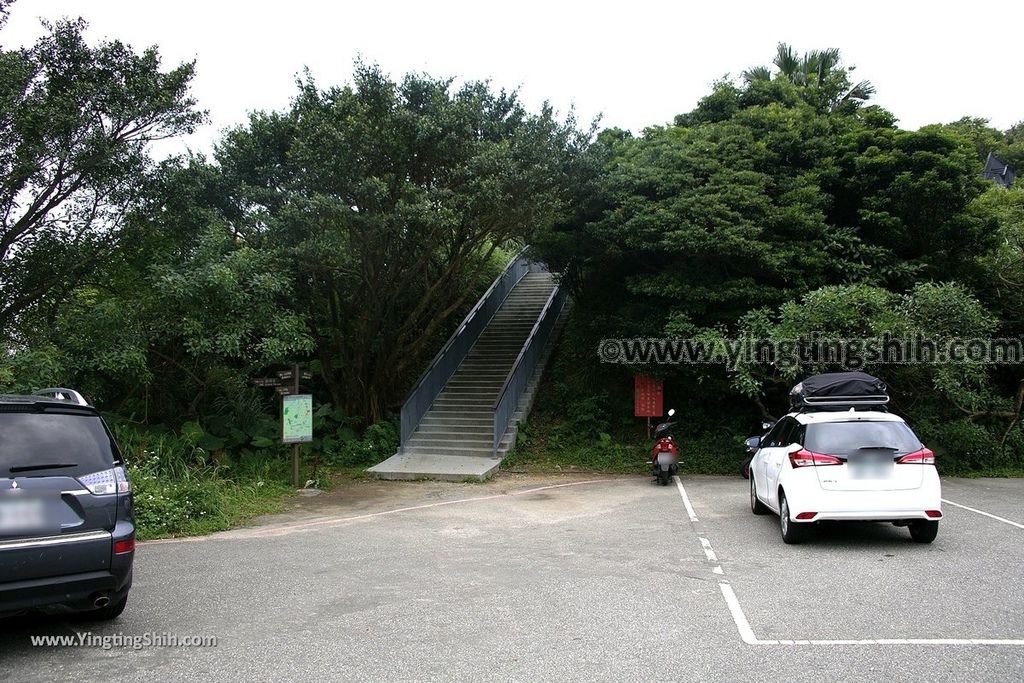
[[453, 430], [464, 409], [441, 450], [481, 441], [435, 420], [464, 401]]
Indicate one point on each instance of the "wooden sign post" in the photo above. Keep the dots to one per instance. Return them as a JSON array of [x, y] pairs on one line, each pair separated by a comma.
[[296, 411]]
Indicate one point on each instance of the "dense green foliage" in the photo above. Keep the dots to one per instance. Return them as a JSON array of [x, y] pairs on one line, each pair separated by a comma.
[[779, 207]]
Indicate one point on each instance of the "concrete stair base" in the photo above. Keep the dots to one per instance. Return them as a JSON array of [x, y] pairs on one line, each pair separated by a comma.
[[404, 466]]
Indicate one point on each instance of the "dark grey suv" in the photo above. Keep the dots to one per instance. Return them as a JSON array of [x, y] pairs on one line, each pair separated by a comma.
[[67, 533]]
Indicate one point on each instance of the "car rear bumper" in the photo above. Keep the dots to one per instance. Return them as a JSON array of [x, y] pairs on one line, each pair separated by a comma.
[[77, 591], [867, 505], [87, 575]]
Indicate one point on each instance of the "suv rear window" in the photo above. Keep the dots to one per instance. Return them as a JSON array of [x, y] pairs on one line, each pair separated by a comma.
[[30, 439], [846, 438]]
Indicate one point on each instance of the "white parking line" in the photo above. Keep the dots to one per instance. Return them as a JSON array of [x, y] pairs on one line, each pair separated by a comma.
[[686, 500], [748, 636], [982, 512], [708, 550], [746, 633]]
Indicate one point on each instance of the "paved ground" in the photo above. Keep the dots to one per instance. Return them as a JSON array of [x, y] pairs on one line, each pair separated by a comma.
[[528, 578]]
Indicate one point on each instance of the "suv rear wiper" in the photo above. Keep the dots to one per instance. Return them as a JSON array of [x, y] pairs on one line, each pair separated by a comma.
[[48, 466]]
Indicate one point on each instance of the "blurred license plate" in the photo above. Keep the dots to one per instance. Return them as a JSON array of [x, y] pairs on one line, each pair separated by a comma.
[[871, 466], [22, 515]]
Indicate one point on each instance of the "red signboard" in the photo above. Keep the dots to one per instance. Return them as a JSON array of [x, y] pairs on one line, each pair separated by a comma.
[[647, 397]]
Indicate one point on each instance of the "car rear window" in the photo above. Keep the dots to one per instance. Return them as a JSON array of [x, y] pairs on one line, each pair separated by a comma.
[[846, 438], [30, 439]]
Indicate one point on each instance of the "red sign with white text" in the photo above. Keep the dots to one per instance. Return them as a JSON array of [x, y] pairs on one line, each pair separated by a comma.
[[647, 397]]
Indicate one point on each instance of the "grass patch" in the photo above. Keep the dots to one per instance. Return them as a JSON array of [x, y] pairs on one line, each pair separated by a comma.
[[180, 490]]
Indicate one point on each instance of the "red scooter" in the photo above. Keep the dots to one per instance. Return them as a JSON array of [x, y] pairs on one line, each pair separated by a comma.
[[665, 454]]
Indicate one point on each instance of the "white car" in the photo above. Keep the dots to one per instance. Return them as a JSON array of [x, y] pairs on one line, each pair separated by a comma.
[[853, 465]]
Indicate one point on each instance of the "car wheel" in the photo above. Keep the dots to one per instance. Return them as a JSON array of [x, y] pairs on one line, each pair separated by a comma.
[[756, 506], [923, 530], [792, 532], [745, 467], [111, 611]]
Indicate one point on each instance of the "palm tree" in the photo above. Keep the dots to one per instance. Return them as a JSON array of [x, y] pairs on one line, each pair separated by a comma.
[[817, 69]]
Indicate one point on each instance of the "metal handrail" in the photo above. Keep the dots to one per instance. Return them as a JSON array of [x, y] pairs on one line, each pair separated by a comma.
[[455, 350], [526, 362]]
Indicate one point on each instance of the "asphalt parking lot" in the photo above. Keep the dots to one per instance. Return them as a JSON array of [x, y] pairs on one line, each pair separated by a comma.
[[523, 578]]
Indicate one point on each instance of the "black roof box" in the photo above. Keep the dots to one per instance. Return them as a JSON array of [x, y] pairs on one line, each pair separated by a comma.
[[840, 391]]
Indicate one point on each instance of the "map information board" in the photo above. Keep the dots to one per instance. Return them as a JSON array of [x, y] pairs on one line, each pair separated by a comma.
[[297, 418]]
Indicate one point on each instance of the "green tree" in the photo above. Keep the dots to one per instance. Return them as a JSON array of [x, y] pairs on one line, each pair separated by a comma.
[[75, 125], [819, 73], [390, 202]]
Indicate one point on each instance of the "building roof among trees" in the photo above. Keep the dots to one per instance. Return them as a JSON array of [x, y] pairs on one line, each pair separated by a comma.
[[998, 170]]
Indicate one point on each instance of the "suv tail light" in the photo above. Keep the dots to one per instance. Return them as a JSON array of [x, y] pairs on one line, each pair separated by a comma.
[[921, 457], [114, 480], [125, 545], [804, 458]]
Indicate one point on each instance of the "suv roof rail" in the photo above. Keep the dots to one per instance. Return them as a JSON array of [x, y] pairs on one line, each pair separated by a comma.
[[808, 403], [62, 394]]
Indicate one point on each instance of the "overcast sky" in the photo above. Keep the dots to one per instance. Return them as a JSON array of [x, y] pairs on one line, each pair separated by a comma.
[[637, 62]]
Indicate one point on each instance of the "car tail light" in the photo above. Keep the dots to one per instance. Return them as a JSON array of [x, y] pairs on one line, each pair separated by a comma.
[[114, 480], [921, 457], [804, 458], [125, 545], [807, 515], [934, 514]]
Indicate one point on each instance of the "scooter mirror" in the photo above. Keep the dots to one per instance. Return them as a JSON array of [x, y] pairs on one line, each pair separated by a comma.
[[671, 412]]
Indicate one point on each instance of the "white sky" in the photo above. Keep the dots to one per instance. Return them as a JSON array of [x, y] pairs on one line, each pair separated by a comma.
[[638, 63]]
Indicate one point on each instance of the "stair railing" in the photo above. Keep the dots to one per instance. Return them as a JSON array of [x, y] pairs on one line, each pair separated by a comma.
[[526, 363], [451, 355]]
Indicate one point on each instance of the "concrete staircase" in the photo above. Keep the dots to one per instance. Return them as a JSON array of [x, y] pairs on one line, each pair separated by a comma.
[[455, 438]]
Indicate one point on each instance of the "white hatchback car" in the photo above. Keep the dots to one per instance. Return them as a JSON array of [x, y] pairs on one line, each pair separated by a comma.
[[854, 465]]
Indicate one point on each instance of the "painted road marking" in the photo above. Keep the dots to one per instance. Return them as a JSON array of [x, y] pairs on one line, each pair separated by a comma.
[[746, 633], [686, 500], [328, 522], [748, 636], [982, 512], [708, 550]]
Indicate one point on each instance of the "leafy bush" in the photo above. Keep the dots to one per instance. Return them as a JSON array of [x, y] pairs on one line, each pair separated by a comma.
[[964, 447], [379, 441], [178, 492]]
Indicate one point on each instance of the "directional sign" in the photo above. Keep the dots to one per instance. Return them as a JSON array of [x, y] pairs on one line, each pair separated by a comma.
[[267, 382], [297, 418], [288, 374]]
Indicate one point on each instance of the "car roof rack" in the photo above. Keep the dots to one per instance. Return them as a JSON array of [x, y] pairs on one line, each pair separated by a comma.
[[836, 391], [62, 394], [868, 402]]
